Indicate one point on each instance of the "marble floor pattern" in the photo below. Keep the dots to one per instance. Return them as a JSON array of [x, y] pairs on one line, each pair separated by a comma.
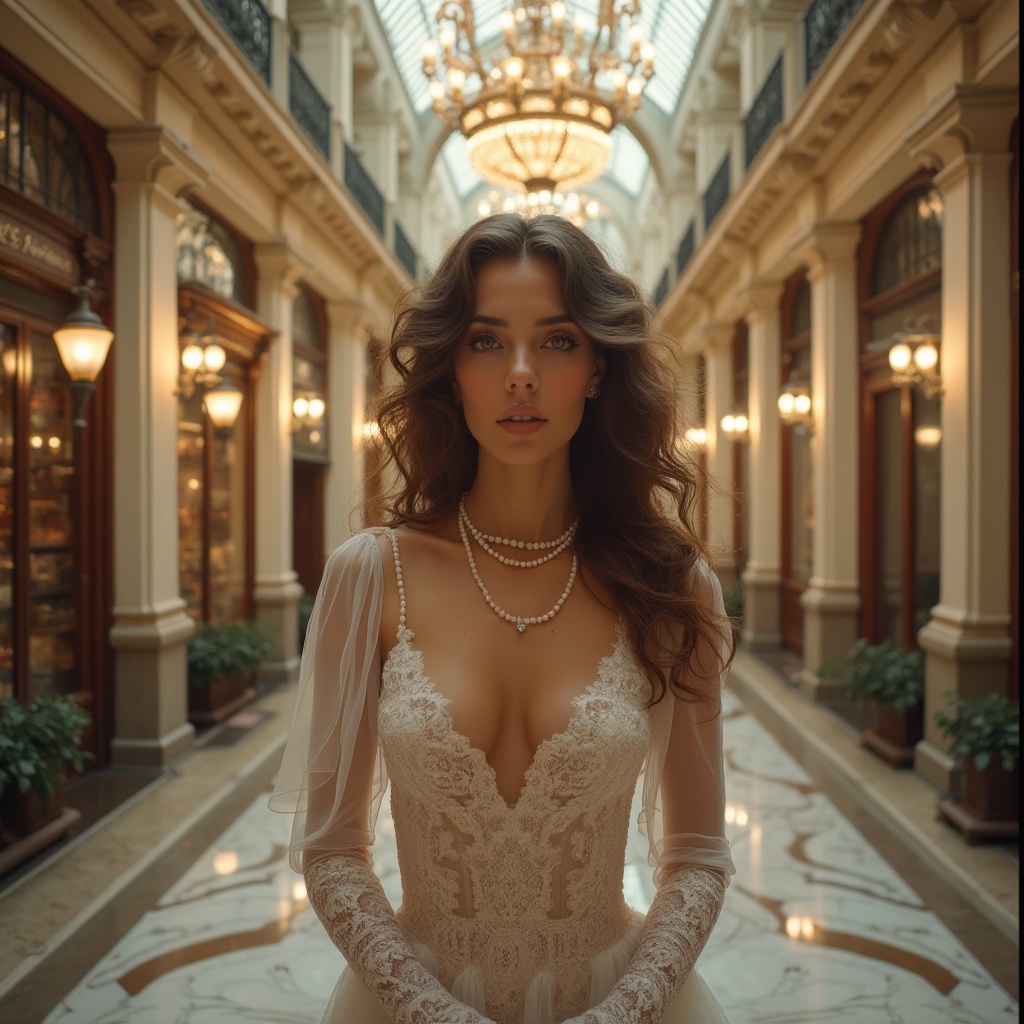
[[817, 927]]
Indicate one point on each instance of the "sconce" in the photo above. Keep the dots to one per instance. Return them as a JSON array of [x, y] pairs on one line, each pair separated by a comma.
[[83, 341], [222, 404], [307, 411], [735, 426], [914, 357], [202, 359], [696, 436], [795, 405]]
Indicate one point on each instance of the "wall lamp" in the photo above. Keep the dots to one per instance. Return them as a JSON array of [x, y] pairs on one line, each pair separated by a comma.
[[736, 427], [83, 341], [795, 405], [202, 359], [697, 437], [914, 356], [307, 411]]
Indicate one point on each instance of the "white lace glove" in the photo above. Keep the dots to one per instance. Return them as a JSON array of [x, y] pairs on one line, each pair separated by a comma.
[[681, 917], [350, 901]]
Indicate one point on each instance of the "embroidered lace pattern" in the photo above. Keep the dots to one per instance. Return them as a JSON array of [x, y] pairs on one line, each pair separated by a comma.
[[508, 898]]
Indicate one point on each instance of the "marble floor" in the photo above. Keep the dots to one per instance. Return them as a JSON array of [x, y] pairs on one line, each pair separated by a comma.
[[817, 926]]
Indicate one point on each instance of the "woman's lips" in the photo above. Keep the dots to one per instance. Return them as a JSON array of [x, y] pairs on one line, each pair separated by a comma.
[[521, 426]]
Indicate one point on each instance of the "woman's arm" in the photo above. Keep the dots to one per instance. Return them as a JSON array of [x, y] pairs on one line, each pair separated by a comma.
[[332, 778]]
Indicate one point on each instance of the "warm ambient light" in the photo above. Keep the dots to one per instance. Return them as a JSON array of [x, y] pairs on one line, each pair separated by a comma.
[[83, 341], [222, 404]]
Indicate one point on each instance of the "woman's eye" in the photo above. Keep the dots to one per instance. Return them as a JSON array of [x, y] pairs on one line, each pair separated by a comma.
[[484, 342], [562, 342]]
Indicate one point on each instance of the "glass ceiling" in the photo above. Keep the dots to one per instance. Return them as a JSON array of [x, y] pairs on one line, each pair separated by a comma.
[[674, 26]]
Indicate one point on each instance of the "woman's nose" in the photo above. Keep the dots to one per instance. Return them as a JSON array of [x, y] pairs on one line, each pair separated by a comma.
[[522, 376]]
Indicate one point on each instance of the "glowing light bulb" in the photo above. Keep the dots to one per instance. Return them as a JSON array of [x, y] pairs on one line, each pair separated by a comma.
[[803, 404], [899, 357], [214, 357], [300, 406], [787, 403], [926, 356], [317, 407], [729, 423], [192, 357], [514, 67]]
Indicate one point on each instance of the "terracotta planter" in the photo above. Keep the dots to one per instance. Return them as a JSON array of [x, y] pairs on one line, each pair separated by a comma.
[[23, 813], [991, 795], [213, 702], [902, 730]]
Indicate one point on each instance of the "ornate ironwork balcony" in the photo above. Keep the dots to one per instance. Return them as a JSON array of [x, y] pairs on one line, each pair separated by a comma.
[[311, 111], [685, 251], [363, 188], [248, 24], [765, 113], [717, 194], [404, 250], [824, 22], [662, 290]]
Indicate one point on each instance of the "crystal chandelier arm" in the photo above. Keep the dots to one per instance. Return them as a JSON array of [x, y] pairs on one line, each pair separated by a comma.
[[460, 13]]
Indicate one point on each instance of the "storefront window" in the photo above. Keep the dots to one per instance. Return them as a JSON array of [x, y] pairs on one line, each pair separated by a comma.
[[208, 255], [309, 377], [41, 158], [8, 378]]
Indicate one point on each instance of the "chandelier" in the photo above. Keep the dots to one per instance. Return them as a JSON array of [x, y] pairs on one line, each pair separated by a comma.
[[540, 117], [575, 208]]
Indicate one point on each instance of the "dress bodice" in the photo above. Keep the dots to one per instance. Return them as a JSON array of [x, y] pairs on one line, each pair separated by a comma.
[[523, 899]]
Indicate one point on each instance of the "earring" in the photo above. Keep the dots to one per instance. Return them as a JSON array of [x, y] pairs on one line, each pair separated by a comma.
[[593, 391]]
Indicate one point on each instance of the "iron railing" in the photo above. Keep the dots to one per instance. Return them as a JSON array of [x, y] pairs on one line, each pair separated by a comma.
[[717, 194], [685, 251], [662, 290], [765, 114], [248, 24], [363, 188], [404, 250], [311, 111], [824, 22]]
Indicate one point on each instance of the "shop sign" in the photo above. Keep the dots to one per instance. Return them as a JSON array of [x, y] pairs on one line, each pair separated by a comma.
[[35, 250]]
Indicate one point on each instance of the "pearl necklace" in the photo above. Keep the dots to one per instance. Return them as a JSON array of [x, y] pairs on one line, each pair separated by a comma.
[[556, 546], [520, 621]]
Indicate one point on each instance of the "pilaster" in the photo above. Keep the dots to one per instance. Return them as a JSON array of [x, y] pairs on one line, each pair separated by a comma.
[[717, 343], [150, 624], [967, 640], [762, 576], [277, 590], [831, 601], [349, 326]]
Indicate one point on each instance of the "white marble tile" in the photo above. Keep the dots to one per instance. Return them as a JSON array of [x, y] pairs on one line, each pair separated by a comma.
[[864, 951]]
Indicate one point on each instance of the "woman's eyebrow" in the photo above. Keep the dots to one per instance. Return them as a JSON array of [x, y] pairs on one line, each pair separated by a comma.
[[548, 321]]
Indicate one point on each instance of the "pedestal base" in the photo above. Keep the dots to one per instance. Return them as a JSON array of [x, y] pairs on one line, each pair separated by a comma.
[[896, 755], [20, 848], [976, 829]]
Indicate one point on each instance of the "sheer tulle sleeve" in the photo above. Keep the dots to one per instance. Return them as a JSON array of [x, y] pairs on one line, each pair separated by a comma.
[[683, 814], [332, 775]]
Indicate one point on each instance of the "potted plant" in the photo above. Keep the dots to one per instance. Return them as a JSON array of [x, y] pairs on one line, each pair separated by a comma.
[[39, 742], [985, 739], [891, 680], [221, 660]]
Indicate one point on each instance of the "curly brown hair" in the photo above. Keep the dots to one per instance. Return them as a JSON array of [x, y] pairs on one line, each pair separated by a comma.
[[636, 489]]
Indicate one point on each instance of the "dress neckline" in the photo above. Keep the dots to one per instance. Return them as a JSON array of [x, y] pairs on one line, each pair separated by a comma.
[[405, 639]]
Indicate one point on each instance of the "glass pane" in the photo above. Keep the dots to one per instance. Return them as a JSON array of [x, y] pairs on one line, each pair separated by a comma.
[[51, 655], [227, 526], [743, 486], [305, 329], [927, 456], [208, 254], [801, 310], [911, 241], [889, 517], [801, 518], [885, 325], [8, 377], [190, 503]]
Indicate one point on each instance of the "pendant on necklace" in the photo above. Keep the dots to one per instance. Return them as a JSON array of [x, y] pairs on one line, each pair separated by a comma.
[[520, 625]]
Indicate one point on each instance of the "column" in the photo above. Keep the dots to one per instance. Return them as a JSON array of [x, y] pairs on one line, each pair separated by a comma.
[[762, 576], [348, 337], [718, 360], [967, 640], [831, 601], [277, 588], [150, 624]]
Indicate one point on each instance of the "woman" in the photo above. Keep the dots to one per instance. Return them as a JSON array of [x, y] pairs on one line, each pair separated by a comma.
[[535, 626]]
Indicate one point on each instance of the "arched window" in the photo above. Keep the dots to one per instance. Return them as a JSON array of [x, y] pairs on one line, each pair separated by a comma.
[[910, 244], [209, 255], [42, 158]]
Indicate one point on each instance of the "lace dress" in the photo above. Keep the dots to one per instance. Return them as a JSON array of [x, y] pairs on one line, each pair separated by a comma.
[[518, 910]]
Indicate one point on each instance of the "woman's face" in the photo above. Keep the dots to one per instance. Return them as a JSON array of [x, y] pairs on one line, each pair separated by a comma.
[[523, 367]]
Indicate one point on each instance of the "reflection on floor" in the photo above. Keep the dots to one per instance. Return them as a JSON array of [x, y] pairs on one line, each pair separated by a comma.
[[816, 926]]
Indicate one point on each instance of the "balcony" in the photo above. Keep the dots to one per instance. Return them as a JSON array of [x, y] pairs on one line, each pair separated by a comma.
[[765, 114], [405, 251], [717, 194], [311, 111], [364, 189], [685, 251], [662, 290], [824, 22], [247, 22]]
